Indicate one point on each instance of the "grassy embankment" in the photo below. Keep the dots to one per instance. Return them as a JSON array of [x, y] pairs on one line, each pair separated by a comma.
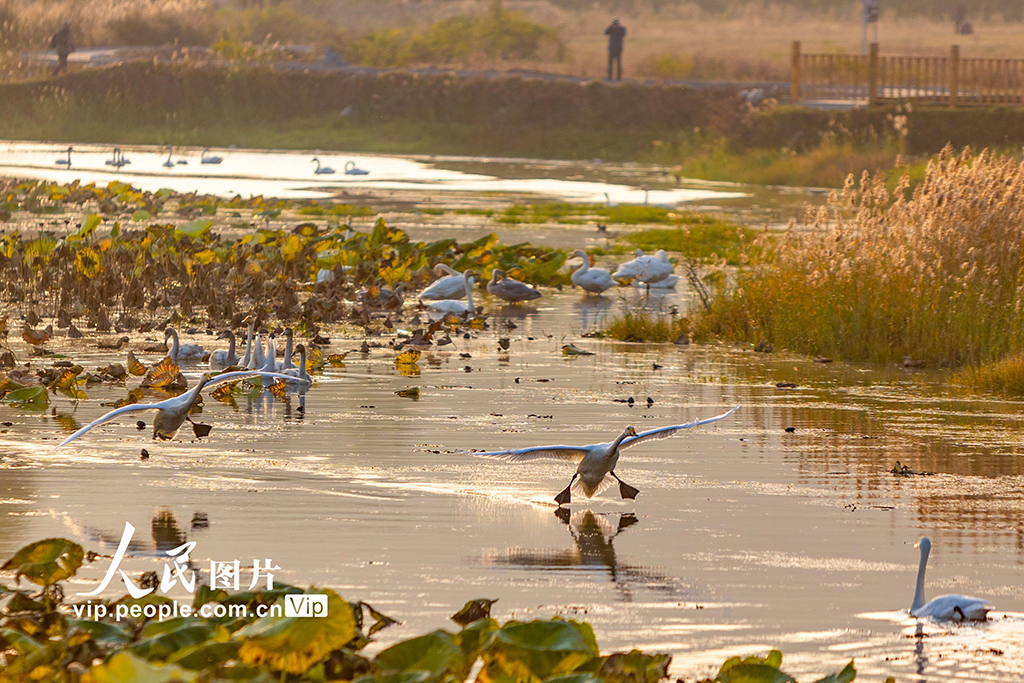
[[703, 134]]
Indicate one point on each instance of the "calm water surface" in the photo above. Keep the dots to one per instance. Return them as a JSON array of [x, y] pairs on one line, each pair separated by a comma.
[[744, 536]]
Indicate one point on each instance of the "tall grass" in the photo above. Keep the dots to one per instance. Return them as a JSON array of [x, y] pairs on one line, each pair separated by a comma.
[[638, 325], [936, 274]]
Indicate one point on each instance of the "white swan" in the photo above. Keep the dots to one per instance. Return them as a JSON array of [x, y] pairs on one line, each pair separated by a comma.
[[591, 280], [258, 359], [645, 269], [248, 347], [352, 169], [953, 607], [452, 286], [221, 359], [169, 163], [66, 161], [209, 158], [117, 160], [459, 308], [671, 281], [596, 469], [286, 364], [300, 375], [182, 352], [510, 289], [321, 170], [270, 362], [173, 412]]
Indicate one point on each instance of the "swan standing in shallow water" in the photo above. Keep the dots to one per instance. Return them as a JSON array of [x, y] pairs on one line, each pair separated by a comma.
[[953, 607], [459, 308], [173, 412], [321, 170], [452, 286], [596, 469], [509, 289], [591, 280], [646, 269], [182, 352], [221, 359]]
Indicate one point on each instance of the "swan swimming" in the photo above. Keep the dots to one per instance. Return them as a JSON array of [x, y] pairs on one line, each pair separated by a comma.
[[454, 306], [671, 281], [118, 159], [172, 413], [65, 161], [951, 607], [452, 286], [510, 289], [300, 377], [221, 359], [209, 158], [169, 163], [352, 169], [591, 280], [321, 170], [182, 352], [248, 347], [595, 470]]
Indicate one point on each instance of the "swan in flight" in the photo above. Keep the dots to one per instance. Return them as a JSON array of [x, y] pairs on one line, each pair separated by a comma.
[[352, 169], [65, 161], [321, 170], [510, 289], [209, 158], [595, 470], [953, 607], [591, 280], [182, 352], [459, 308], [172, 413], [221, 359], [645, 269], [451, 286]]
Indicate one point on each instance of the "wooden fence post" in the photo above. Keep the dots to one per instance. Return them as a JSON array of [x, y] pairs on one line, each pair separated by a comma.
[[873, 75], [954, 75], [794, 79]]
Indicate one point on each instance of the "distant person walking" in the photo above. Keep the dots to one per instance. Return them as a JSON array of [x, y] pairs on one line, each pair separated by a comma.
[[616, 33], [61, 43]]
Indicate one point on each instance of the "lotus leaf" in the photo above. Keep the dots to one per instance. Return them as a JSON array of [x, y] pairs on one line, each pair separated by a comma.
[[125, 667], [46, 562], [294, 644]]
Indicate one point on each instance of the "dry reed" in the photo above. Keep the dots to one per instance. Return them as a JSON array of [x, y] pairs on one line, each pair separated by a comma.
[[937, 274]]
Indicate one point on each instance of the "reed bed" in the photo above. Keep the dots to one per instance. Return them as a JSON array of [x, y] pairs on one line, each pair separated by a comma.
[[936, 274]]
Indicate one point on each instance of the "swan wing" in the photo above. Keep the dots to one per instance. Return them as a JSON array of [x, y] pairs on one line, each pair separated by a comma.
[[244, 374], [955, 608], [134, 408], [564, 453], [669, 432]]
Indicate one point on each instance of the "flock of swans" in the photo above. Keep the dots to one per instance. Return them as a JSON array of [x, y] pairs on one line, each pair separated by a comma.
[[595, 463]]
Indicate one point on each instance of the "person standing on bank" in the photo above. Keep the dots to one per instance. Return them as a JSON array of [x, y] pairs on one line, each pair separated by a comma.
[[616, 33], [61, 43]]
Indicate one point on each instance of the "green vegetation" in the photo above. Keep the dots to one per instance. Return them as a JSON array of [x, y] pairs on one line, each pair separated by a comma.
[[139, 641], [700, 237], [1005, 376], [932, 275], [557, 212], [642, 326], [173, 263]]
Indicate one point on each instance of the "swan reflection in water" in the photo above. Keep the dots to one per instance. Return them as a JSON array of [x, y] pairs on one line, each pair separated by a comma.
[[594, 535]]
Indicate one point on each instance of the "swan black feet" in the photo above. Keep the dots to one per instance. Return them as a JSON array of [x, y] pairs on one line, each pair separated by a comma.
[[625, 490], [565, 497]]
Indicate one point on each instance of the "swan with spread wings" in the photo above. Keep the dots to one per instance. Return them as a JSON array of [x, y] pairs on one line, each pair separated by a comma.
[[596, 463], [172, 413]]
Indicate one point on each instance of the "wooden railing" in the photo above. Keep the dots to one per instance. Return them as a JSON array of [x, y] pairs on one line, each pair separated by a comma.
[[874, 79]]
